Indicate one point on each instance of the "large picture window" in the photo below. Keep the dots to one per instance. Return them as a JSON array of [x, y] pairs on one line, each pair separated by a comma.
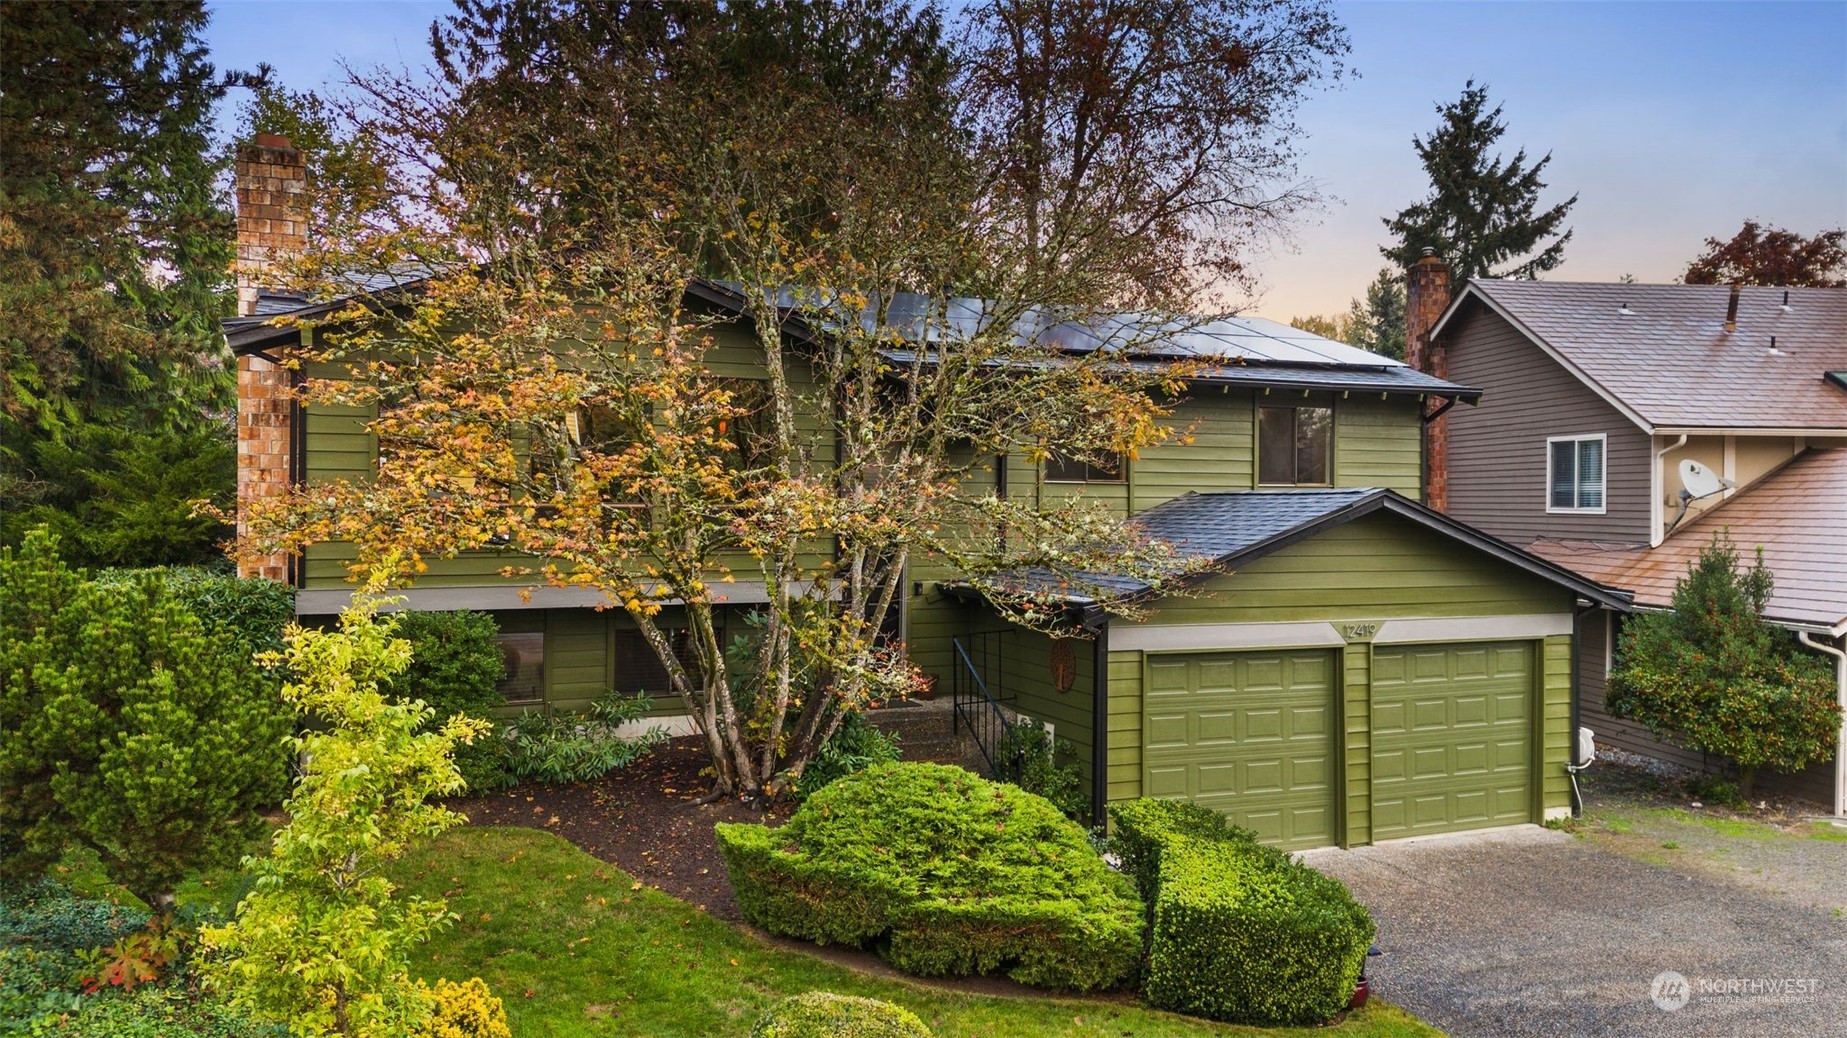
[[1295, 446], [1575, 474]]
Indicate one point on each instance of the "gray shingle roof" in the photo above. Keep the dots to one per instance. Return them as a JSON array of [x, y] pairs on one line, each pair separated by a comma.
[[1663, 353], [1224, 528]]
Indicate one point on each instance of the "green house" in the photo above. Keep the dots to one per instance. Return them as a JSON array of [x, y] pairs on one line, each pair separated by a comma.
[[1354, 666]]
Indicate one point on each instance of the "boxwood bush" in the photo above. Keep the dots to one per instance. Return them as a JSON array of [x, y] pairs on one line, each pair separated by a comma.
[[944, 873], [823, 1014], [1240, 932]]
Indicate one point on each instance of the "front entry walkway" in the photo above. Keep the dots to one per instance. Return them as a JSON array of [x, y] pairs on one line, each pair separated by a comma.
[[1533, 932]]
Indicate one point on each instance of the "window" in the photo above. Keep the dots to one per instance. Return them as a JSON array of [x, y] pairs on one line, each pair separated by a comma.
[[523, 679], [1295, 446], [1574, 474], [1065, 470], [638, 668]]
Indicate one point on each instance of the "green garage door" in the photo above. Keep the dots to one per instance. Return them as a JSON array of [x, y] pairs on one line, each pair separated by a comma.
[[1452, 737], [1250, 734]]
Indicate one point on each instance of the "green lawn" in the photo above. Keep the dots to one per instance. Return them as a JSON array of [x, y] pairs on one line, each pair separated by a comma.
[[575, 947]]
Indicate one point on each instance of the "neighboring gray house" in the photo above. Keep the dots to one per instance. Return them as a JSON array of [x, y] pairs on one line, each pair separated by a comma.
[[1596, 397]]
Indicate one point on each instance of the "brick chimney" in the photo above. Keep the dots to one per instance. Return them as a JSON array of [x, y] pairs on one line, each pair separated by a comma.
[[272, 217], [271, 178], [1426, 297]]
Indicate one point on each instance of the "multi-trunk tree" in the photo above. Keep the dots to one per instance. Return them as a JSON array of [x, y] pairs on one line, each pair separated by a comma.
[[725, 296]]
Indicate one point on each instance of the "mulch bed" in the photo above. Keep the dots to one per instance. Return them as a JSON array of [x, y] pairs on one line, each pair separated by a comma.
[[643, 818]]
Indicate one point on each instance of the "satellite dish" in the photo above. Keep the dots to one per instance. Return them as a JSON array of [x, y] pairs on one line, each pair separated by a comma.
[[1701, 481]]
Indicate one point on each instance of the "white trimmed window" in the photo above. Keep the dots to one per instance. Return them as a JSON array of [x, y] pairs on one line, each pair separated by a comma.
[[1575, 474]]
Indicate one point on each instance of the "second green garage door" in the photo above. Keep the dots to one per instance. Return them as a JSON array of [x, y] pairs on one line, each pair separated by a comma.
[[1452, 737], [1248, 733]]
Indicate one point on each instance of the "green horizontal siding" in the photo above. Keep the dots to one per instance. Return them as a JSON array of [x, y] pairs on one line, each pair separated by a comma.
[[1212, 449], [1356, 700], [1379, 443], [1555, 733], [1125, 725], [1025, 678], [1375, 568]]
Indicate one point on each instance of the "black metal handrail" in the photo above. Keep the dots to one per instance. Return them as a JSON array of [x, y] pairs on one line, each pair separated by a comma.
[[974, 703]]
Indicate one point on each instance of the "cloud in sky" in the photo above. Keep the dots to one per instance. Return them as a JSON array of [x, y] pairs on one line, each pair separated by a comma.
[[1673, 122]]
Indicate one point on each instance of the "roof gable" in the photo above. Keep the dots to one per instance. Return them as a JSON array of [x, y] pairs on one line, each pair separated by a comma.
[[1228, 528], [1661, 354]]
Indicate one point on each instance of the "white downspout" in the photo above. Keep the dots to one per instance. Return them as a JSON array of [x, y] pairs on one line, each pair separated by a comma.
[[1840, 747], [1657, 485]]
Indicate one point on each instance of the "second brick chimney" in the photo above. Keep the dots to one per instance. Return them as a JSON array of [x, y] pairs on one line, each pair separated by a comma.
[[272, 225], [1426, 297]]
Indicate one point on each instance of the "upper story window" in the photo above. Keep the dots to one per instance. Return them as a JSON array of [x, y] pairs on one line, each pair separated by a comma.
[[1066, 470], [1575, 474], [1295, 446]]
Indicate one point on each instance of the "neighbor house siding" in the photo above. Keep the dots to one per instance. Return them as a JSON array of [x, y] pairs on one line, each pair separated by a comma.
[[1497, 450]]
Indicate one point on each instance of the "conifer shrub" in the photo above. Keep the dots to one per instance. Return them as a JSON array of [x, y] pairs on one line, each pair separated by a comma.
[[1713, 674]]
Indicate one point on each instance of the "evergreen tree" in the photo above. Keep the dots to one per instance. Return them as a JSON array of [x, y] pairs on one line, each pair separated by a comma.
[[1482, 215], [115, 233], [1712, 673], [1377, 322], [126, 727]]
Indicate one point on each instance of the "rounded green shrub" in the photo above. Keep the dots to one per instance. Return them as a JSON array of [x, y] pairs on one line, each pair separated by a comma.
[[944, 873], [822, 1014]]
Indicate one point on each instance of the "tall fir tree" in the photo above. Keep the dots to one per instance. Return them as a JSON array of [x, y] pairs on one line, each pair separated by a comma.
[[1483, 214], [1377, 322], [115, 237]]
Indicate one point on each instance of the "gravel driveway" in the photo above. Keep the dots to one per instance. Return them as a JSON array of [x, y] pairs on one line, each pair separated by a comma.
[[1529, 931]]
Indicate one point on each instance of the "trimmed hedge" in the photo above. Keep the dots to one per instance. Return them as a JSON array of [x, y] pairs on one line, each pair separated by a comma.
[[823, 1014], [945, 873], [1241, 932], [1144, 826]]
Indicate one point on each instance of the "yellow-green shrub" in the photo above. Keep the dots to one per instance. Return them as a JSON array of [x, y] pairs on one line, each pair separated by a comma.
[[465, 1010], [823, 1014]]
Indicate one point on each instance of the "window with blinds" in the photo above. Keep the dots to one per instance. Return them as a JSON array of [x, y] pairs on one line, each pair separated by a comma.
[[1575, 474]]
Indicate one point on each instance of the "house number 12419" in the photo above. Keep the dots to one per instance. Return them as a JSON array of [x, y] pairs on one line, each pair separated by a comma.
[[1357, 631]]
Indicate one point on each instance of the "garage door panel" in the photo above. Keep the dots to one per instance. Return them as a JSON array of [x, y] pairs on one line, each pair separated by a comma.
[[1165, 781], [1248, 734], [1217, 726], [1165, 730], [1464, 761], [1211, 779]]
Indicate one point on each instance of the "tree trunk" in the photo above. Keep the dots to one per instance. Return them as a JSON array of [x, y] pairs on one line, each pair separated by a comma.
[[1747, 780]]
